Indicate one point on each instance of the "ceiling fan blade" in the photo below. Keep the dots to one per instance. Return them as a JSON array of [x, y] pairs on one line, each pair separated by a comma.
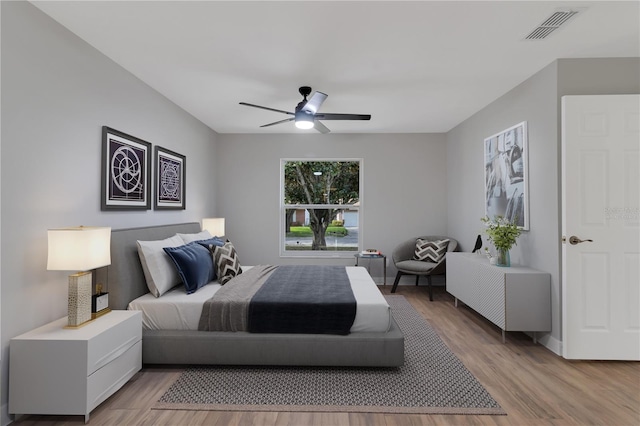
[[267, 108], [314, 103], [320, 127], [278, 122], [330, 116]]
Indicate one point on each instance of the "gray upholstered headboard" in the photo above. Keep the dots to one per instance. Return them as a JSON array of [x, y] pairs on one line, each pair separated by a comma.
[[124, 277]]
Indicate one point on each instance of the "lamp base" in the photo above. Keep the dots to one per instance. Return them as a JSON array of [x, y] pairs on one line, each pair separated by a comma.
[[98, 314], [75, 327], [79, 310]]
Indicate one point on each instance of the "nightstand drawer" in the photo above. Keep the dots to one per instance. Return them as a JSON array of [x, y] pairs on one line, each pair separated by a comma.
[[112, 376], [113, 341]]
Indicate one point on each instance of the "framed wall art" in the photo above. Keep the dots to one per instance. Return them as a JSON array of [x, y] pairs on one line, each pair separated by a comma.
[[169, 179], [506, 175], [126, 171]]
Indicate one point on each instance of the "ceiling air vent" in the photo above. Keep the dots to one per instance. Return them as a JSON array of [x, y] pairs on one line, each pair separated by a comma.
[[552, 23]]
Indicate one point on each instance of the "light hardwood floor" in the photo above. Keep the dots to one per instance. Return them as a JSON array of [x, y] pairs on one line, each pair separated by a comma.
[[533, 385]]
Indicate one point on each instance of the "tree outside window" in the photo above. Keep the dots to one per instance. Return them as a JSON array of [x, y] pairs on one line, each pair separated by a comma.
[[320, 207]]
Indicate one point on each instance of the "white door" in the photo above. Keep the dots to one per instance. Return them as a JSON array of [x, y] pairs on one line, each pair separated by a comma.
[[600, 205]]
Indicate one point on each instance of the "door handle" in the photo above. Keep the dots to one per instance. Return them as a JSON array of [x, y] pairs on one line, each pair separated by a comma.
[[573, 240]]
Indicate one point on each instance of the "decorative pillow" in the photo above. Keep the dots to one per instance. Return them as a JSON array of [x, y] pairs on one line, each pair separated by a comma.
[[194, 264], [189, 238], [226, 260], [160, 273], [215, 241], [430, 251]]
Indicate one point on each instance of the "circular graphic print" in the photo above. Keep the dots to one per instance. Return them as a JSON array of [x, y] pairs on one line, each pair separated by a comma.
[[125, 169]]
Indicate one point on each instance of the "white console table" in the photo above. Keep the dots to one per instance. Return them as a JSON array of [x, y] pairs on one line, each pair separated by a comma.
[[514, 298]]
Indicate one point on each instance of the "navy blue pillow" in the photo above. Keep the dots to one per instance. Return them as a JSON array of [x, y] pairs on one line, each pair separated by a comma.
[[194, 264], [215, 241]]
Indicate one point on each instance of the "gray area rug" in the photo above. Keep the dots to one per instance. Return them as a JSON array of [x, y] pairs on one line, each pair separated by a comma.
[[432, 381]]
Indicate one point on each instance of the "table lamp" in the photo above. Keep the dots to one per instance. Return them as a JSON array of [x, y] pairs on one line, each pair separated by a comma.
[[80, 249], [214, 225]]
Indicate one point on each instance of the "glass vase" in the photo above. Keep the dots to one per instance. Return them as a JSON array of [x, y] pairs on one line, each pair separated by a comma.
[[503, 258]]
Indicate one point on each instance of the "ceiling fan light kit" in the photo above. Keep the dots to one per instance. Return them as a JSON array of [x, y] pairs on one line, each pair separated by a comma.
[[304, 121], [306, 112]]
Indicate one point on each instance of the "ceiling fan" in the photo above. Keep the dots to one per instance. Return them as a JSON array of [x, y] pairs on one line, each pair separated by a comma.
[[306, 115]]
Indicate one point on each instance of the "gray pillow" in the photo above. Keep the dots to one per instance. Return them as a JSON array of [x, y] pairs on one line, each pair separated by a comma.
[[226, 262]]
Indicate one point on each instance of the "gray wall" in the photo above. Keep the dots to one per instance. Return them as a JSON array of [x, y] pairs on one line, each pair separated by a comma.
[[404, 187], [57, 93], [608, 76], [537, 101]]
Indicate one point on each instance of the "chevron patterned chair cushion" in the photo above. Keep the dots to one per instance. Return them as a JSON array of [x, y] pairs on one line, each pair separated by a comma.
[[430, 251], [226, 260]]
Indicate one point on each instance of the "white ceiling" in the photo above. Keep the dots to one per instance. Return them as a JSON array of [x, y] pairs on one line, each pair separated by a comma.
[[416, 67]]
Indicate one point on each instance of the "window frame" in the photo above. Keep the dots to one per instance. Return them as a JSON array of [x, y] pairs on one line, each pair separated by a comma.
[[320, 254]]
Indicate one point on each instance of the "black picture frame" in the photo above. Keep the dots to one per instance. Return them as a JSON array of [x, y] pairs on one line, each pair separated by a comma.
[[169, 180], [126, 171]]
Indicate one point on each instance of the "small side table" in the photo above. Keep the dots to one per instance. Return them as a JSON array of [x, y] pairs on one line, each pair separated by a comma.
[[374, 256]]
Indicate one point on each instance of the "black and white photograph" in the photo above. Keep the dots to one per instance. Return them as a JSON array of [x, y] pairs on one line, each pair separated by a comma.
[[169, 180], [126, 171], [505, 162]]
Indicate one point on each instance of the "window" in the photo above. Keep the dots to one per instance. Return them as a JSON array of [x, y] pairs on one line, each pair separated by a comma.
[[320, 206]]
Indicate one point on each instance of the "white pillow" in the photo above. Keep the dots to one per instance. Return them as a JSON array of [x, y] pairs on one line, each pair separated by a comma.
[[159, 270], [189, 238]]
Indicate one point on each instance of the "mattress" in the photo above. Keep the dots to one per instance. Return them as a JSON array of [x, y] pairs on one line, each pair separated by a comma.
[[177, 310]]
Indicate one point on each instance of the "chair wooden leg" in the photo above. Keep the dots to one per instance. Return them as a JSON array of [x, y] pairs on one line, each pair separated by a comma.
[[417, 279], [430, 288], [395, 283]]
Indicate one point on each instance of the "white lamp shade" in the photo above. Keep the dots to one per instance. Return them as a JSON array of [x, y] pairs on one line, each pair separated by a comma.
[[214, 225], [79, 249]]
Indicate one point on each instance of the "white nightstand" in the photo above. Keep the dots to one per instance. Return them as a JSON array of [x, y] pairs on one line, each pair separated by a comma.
[[53, 370]]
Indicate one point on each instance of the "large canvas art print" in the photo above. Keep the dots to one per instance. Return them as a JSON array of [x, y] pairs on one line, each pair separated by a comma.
[[126, 171], [505, 165]]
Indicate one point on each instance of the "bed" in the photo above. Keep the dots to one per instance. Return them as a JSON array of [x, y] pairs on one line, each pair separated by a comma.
[[368, 344]]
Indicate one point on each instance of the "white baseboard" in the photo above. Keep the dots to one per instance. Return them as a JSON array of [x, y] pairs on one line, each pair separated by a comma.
[[410, 280], [6, 419], [551, 343]]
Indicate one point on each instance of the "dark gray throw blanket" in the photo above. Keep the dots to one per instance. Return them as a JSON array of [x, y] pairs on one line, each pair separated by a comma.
[[298, 297], [311, 299]]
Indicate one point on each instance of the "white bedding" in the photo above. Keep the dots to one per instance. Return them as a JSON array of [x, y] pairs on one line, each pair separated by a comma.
[[177, 310]]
